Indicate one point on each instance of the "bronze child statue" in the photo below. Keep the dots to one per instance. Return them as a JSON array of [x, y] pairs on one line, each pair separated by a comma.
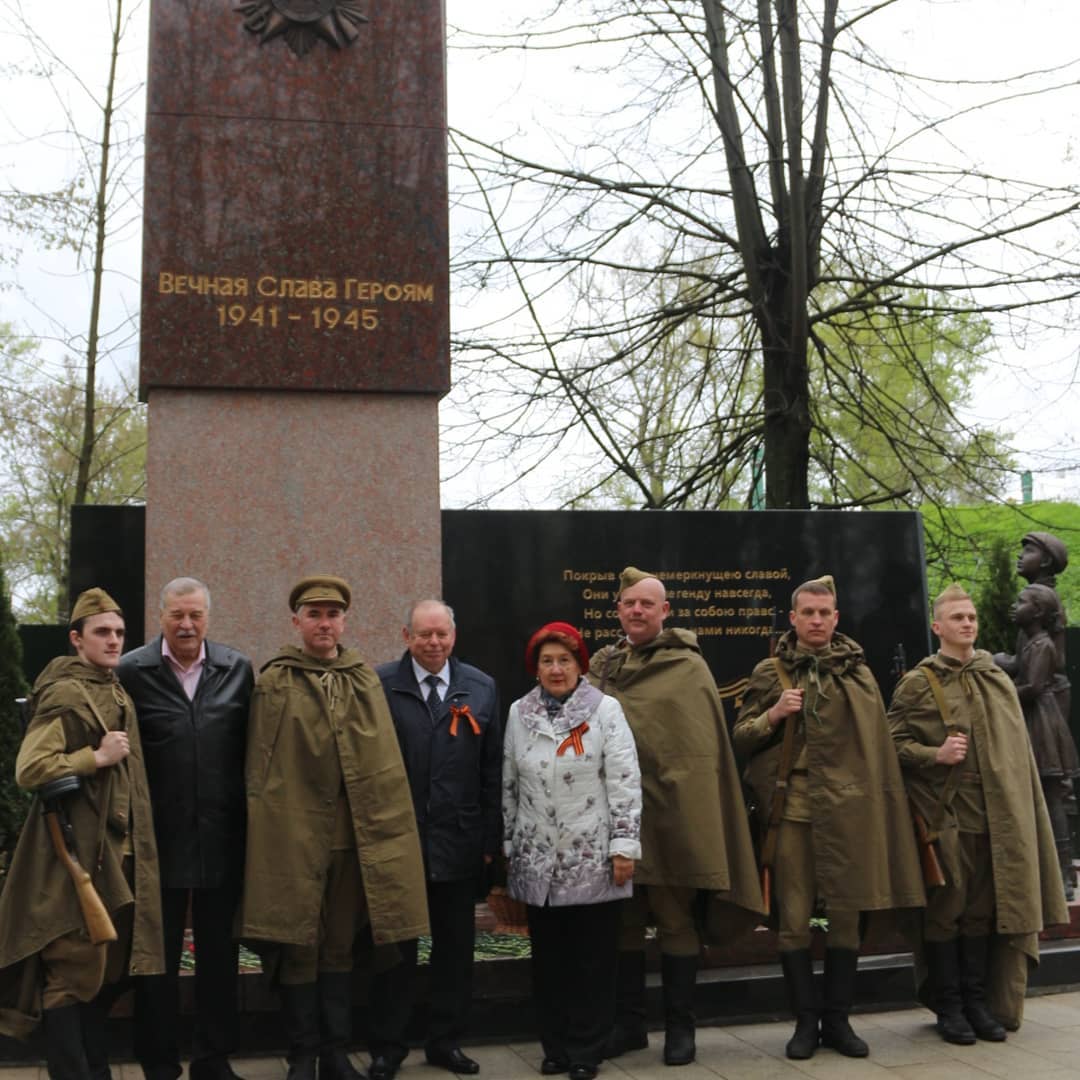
[[1038, 669]]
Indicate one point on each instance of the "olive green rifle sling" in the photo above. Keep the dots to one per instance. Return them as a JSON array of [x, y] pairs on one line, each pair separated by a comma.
[[776, 808]]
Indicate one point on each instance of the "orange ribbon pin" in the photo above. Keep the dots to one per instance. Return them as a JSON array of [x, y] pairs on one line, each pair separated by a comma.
[[457, 712], [574, 740]]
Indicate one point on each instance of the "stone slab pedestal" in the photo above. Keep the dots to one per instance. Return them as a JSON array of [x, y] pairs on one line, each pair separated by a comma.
[[250, 490]]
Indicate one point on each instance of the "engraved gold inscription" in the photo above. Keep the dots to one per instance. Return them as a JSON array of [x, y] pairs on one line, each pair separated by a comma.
[[274, 301], [722, 602]]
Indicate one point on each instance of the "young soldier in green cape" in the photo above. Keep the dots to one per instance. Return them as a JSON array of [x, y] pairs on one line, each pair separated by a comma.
[[332, 846], [845, 843], [83, 725], [960, 735]]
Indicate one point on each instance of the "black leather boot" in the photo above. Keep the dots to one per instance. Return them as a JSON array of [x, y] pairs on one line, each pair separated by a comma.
[[973, 959], [679, 975], [798, 971], [65, 1056], [630, 1031], [300, 1012], [943, 966], [95, 1017], [335, 1023], [841, 966]]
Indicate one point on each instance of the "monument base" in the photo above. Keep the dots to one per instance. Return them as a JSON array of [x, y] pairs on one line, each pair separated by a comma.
[[250, 490]]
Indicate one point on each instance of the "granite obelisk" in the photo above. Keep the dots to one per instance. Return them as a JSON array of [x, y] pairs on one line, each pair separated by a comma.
[[294, 338]]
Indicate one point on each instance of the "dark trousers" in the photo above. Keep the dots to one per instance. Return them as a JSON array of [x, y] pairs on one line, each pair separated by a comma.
[[574, 957], [157, 997], [451, 909]]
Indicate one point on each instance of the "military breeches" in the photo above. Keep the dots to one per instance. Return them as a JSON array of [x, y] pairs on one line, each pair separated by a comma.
[[343, 914], [964, 907], [671, 909], [796, 893], [76, 970]]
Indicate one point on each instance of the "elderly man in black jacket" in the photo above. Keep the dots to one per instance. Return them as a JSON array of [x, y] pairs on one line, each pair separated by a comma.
[[191, 696], [447, 718]]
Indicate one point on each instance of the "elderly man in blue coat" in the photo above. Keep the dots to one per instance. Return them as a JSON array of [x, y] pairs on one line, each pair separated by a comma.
[[448, 724]]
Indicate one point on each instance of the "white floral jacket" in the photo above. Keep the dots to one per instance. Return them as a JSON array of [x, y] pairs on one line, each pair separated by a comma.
[[571, 798]]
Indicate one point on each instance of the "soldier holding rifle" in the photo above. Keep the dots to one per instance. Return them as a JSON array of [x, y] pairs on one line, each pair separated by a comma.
[[812, 728], [87, 861]]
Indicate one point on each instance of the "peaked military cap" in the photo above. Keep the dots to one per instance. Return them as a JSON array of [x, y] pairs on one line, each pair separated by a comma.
[[320, 589]]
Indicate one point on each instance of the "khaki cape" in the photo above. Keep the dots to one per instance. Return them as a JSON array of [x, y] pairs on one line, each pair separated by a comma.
[[981, 699], [865, 857], [75, 704], [694, 831], [309, 738]]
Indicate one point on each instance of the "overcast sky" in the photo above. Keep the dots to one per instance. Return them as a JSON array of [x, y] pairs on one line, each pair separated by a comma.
[[497, 97]]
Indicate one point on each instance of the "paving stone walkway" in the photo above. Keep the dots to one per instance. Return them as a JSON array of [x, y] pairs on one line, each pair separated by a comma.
[[903, 1046]]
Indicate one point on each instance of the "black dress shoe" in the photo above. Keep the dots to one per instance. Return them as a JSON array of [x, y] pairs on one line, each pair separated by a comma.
[[582, 1072], [453, 1060], [211, 1069], [383, 1067], [552, 1066]]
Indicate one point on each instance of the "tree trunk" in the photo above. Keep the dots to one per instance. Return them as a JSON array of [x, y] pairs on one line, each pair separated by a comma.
[[101, 208], [787, 413]]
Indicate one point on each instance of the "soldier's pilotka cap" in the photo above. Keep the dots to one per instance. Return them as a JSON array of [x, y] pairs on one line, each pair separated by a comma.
[[320, 589], [825, 581], [92, 602], [630, 577]]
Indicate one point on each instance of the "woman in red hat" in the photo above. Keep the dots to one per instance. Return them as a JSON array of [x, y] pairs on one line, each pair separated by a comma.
[[571, 817]]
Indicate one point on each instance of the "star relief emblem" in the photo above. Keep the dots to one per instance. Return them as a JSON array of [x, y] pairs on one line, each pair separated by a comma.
[[303, 22]]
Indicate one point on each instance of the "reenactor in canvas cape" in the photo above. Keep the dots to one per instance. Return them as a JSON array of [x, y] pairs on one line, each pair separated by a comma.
[[812, 726], [959, 732], [696, 852], [333, 853], [80, 911]]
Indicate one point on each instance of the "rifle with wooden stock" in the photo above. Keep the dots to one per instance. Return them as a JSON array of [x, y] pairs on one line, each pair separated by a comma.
[[952, 779], [99, 925], [928, 860]]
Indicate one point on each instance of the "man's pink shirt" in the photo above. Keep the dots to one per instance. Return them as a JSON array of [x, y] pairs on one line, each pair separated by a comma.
[[189, 677]]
